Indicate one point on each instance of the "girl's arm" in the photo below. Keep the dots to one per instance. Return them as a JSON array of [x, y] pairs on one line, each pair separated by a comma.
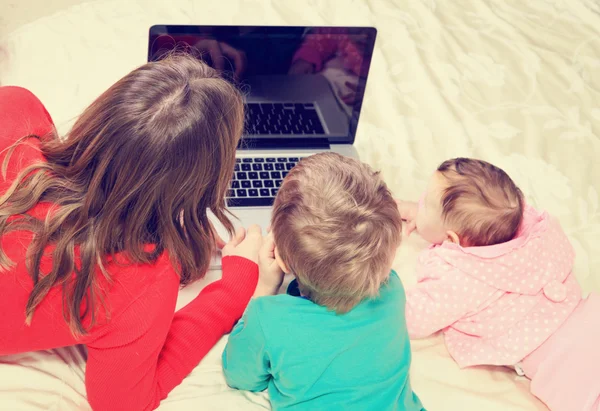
[[147, 351], [21, 115]]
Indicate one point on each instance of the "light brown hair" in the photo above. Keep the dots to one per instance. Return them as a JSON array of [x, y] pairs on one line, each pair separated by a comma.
[[481, 202], [337, 228], [141, 166]]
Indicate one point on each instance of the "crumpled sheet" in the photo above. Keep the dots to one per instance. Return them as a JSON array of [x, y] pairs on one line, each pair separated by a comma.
[[512, 82]]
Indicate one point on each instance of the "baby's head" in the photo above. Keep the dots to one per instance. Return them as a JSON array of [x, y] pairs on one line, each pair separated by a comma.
[[336, 229], [471, 203]]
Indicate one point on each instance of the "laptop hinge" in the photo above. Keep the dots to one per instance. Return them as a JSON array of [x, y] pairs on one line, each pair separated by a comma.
[[283, 143]]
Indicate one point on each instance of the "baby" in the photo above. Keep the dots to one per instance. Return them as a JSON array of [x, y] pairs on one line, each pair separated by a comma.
[[498, 281], [337, 339]]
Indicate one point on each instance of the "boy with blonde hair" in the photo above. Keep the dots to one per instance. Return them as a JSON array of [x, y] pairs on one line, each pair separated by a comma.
[[338, 338]]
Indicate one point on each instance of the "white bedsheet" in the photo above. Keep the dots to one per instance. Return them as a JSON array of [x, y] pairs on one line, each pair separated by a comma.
[[514, 82]]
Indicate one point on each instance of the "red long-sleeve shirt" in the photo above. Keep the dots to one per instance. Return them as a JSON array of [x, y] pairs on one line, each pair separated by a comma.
[[139, 353]]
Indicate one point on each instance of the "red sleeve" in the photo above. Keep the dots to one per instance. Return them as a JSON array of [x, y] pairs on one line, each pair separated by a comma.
[[21, 114], [148, 351]]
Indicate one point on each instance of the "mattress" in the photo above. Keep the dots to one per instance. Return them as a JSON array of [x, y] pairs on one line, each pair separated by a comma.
[[515, 83]]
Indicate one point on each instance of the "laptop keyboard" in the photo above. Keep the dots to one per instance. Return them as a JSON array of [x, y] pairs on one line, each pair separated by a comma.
[[282, 119], [256, 180]]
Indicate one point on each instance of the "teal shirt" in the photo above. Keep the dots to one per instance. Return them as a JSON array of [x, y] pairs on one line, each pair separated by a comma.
[[313, 359]]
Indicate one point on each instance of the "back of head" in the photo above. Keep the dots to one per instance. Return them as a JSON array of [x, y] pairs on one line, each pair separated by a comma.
[[480, 202], [139, 168], [337, 228], [157, 146]]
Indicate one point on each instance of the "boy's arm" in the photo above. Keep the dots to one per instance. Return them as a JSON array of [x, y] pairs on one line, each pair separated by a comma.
[[245, 361]]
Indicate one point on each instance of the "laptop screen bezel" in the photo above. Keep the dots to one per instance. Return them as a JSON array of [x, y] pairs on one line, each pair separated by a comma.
[[371, 34]]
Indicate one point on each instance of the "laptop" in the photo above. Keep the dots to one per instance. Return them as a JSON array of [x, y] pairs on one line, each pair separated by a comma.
[[304, 89]]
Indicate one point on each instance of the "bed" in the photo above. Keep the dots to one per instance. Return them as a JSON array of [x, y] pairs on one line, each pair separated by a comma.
[[515, 83]]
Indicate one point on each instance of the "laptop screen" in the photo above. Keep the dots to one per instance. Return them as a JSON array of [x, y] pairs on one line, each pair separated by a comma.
[[301, 84]]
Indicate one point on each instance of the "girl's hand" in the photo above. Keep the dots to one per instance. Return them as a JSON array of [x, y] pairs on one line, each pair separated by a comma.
[[408, 213], [245, 244], [222, 53], [270, 274]]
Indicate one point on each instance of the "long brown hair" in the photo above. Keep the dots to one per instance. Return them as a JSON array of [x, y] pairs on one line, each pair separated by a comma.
[[141, 166]]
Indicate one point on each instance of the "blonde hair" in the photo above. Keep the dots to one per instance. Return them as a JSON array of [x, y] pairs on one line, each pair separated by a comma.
[[481, 202], [337, 228]]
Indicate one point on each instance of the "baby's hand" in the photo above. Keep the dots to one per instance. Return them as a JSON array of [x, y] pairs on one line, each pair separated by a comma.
[[408, 213], [301, 67], [270, 274], [349, 97]]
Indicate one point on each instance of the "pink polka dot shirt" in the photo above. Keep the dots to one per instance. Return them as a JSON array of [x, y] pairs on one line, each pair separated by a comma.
[[496, 304]]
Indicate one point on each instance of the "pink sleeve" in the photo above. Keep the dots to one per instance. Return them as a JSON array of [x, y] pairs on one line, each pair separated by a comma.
[[318, 47], [440, 298]]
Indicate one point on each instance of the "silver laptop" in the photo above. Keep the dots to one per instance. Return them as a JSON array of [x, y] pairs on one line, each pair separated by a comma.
[[304, 90]]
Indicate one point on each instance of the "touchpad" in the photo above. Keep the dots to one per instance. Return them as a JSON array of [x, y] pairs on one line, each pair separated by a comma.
[[244, 217]]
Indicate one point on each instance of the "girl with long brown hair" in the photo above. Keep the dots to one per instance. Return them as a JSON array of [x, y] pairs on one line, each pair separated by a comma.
[[98, 230]]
